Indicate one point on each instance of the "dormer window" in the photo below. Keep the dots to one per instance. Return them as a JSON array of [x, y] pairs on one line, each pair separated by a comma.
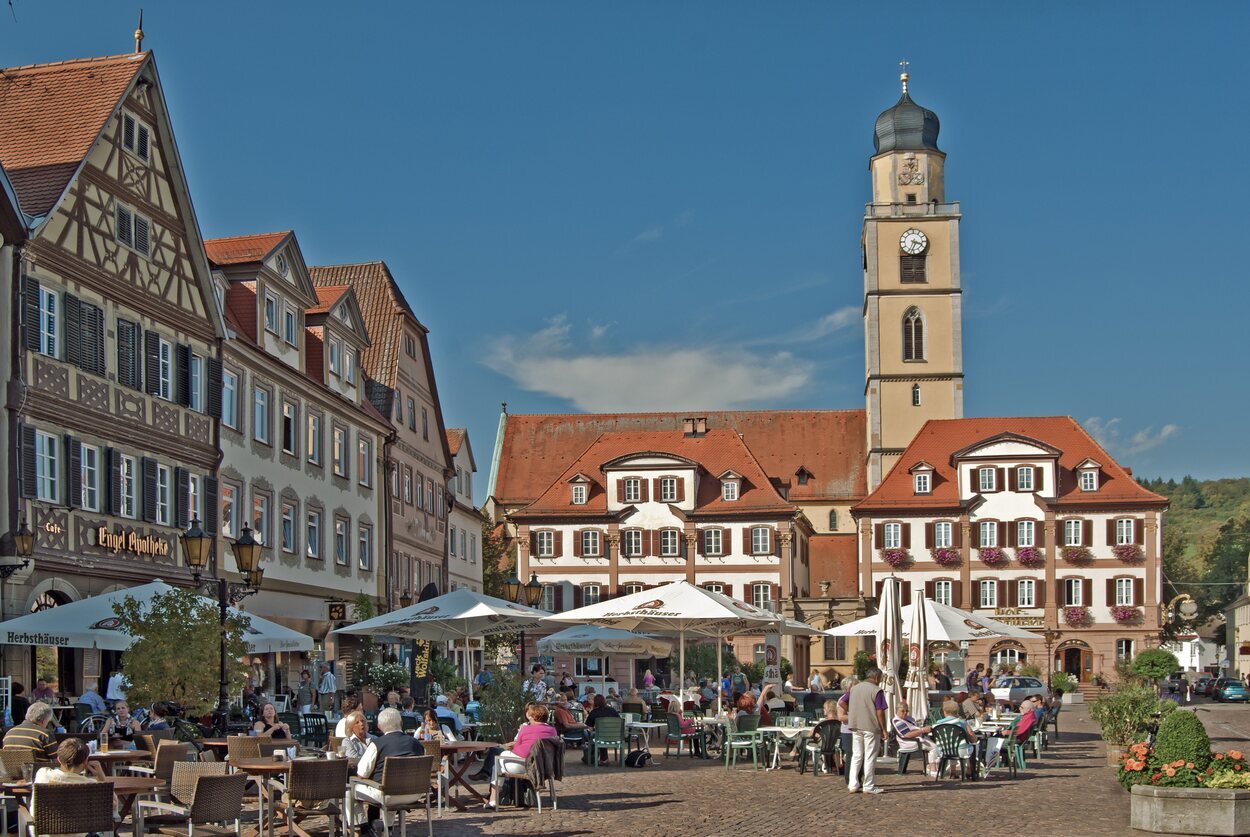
[[668, 489], [985, 479], [288, 325], [633, 490], [923, 482], [803, 476], [1024, 478], [729, 490], [271, 313], [1089, 480], [579, 494], [349, 365], [336, 357]]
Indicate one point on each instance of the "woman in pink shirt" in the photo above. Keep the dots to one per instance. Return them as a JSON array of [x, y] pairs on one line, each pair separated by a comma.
[[535, 730]]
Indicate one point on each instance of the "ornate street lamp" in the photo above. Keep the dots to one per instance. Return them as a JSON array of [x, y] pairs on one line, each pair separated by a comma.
[[1050, 636], [533, 591], [405, 599], [24, 542], [197, 548], [531, 594]]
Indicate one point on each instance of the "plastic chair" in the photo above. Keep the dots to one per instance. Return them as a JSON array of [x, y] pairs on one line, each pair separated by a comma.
[[609, 735], [744, 735], [821, 746], [675, 735], [951, 741], [405, 783]]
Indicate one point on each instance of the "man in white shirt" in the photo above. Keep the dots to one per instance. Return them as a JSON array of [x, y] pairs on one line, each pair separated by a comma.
[[117, 687], [326, 688]]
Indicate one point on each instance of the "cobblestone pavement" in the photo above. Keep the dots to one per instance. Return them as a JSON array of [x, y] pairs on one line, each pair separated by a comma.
[[1069, 792]]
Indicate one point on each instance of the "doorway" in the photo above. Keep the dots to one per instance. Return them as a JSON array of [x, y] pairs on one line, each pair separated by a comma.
[[1078, 662]]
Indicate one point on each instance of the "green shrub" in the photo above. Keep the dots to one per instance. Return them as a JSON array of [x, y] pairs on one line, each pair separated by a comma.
[[1182, 737], [1063, 682], [503, 704], [1229, 781], [861, 663], [1155, 664], [1123, 714], [1030, 670]]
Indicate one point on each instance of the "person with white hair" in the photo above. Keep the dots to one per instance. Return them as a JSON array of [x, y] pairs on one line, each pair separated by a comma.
[[392, 742]]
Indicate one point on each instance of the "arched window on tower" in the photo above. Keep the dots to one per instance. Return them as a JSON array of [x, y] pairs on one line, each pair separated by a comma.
[[913, 335], [833, 520], [915, 395]]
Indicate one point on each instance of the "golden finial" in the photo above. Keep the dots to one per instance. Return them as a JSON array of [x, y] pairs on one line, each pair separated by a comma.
[[903, 77], [139, 33]]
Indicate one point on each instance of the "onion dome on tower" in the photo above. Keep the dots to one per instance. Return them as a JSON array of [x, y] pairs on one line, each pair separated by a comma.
[[906, 126]]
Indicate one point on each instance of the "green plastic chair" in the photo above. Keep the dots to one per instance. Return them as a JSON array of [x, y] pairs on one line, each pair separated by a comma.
[[609, 735], [674, 735], [950, 740], [745, 735]]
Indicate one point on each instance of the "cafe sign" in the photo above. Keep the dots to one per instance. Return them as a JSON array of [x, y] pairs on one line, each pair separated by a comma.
[[1018, 618], [131, 541]]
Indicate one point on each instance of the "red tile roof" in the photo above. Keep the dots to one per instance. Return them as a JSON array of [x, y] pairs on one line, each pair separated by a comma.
[[834, 558], [382, 305], [244, 249], [939, 439], [50, 117], [327, 297], [314, 357], [830, 444], [716, 452], [241, 308], [455, 438]]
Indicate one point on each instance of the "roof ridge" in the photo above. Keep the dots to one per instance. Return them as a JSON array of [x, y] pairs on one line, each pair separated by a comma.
[[247, 235], [693, 413], [346, 264], [70, 63]]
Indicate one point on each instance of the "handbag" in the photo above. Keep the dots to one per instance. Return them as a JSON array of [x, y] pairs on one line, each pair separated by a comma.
[[637, 758]]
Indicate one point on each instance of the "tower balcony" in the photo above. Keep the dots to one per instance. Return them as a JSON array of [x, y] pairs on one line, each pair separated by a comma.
[[912, 210]]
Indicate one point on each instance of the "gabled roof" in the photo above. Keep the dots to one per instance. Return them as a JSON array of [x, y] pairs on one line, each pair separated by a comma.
[[715, 452], [939, 439], [333, 302], [328, 297], [830, 444], [13, 224], [455, 435], [51, 116], [245, 249]]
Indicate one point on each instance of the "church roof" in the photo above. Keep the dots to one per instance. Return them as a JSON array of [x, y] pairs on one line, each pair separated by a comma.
[[906, 127]]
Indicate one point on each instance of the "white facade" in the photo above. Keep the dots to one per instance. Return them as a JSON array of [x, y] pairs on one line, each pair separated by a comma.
[[464, 533]]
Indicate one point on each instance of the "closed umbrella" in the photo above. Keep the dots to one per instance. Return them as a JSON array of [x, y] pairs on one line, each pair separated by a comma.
[[889, 643], [917, 680]]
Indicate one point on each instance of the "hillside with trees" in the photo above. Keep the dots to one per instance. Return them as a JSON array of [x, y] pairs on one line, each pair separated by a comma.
[[1206, 539]]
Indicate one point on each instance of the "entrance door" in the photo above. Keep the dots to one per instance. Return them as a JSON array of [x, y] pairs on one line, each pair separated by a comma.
[[1079, 662]]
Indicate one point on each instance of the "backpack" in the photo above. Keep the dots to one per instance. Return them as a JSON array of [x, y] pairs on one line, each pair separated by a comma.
[[516, 787], [637, 758]]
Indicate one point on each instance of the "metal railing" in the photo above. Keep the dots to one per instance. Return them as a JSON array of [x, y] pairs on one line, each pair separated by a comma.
[[908, 210]]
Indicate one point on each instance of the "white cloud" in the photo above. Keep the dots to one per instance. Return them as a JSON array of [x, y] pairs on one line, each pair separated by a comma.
[[831, 323], [650, 234], [1108, 434], [656, 231], [599, 330], [649, 377]]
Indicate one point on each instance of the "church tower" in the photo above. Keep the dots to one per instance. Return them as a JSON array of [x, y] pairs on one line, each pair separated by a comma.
[[913, 320]]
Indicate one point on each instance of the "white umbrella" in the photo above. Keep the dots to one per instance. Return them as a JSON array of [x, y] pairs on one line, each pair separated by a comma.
[[92, 623], [678, 608], [889, 643], [943, 622], [459, 615], [917, 681], [594, 640]]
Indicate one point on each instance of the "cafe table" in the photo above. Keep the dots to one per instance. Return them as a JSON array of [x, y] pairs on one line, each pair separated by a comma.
[[788, 733], [126, 788], [457, 769], [264, 770], [112, 757]]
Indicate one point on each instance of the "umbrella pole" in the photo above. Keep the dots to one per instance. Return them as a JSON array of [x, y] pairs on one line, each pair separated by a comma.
[[681, 674], [468, 662], [719, 644]]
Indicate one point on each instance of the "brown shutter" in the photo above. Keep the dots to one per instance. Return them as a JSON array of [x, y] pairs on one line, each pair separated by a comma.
[[976, 536], [557, 542], [880, 585], [577, 543], [114, 460], [1002, 593], [1110, 532], [957, 593], [973, 486], [182, 354], [878, 534], [149, 489], [928, 536], [1088, 533], [30, 313], [1087, 595], [1002, 532], [73, 472], [577, 596], [1139, 532], [928, 590], [906, 527], [1039, 593], [774, 542], [1061, 598], [1039, 533], [957, 533], [655, 487], [213, 402], [700, 548], [643, 494], [182, 497], [152, 362], [559, 596], [29, 483], [620, 491], [681, 489], [776, 596], [1013, 478], [1037, 478], [1139, 592], [1013, 528], [1110, 592], [906, 597], [1000, 478]]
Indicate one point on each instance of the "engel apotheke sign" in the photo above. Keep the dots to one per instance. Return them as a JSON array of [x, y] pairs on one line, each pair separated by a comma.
[[132, 542]]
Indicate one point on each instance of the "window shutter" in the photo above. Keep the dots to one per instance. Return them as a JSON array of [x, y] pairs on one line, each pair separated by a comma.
[[126, 365], [929, 588], [29, 486], [213, 402], [1110, 532], [183, 354], [577, 544], [149, 489], [1087, 596], [746, 540], [1110, 592], [93, 338], [644, 494], [1039, 593], [878, 534], [1088, 533], [73, 472], [30, 313], [1039, 533], [928, 536], [1013, 529], [1139, 592], [557, 539], [655, 488], [577, 596], [1013, 479], [559, 598], [880, 586], [1002, 532], [957, 593], [151, 362], [1000, 478], [681, 489], [974, 486], [1139, 532], [1037, 478], [957, 533], [1061, 597], [906, 597], [72, 307], [211, 506], [620, 491], [141, 147], [1004, 593], [976, 536], [182, 497], [774, 542], [141, 234], [906, 528], [114, 481]]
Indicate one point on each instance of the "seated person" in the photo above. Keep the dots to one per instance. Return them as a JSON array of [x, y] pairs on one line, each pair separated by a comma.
[[432, 728], [92, 698], [33, 734], [350, 704], [588, 699], [445, 716], [122, 725], [912, 737], [72, 767], [530, 733], [970, 705], [357, 741], [160, 716], [950, 716], [270, 725], [20, 703], [601, 710], [392, 742], [569, 728], [634, 704], [408, 707]]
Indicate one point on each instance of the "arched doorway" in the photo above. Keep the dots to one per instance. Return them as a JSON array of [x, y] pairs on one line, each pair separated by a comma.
[[61, 667], [1076, 658]]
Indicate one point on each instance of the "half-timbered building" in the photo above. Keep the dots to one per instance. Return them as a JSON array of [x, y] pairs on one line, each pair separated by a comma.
[[115, 379]]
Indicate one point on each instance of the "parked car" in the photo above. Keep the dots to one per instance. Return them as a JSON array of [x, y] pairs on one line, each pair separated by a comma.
[[1203, 684], [1016, 689], [1176, 682], [1229, 689], [1209, 688]]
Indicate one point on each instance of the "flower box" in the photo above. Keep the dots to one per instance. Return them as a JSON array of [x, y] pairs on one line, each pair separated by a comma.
[[1129, 553], [1077, 554], [946, 556], [992, 556], [1190, 810], [1126, 614], [896, 557], [1077, 616], [1030, 556]]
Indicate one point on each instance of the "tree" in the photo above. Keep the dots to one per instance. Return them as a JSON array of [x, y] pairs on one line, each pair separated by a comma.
[[1155, 663], [701, 659], [498, 561], [177, 648]]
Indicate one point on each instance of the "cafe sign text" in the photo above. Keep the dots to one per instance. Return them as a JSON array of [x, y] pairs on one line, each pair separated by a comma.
[[132, 542]]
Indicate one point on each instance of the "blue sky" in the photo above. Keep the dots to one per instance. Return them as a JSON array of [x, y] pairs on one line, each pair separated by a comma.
[[655, 204]]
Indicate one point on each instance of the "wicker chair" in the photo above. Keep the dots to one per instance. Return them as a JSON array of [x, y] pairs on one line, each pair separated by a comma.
[[441, 775], [213, 799], [314, 788], [268, 747], [168, 753], [149, 740], [182, 791], [333, 743], [405, 783], [12, 759], [69, 809], [240, 747]]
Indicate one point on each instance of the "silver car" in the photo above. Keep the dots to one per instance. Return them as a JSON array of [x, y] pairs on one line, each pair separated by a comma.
[[1014, 689]]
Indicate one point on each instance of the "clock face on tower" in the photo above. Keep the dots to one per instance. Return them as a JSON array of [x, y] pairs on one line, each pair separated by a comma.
[[913, 242]]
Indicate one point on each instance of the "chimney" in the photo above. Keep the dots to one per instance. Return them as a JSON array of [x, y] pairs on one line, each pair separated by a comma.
[[700, 426], [687, 427]]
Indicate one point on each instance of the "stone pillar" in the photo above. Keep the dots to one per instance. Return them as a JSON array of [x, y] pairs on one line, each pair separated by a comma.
[[965, 564], [1151, 604], [692, 541], [1050, 615], [613, 542], [865, 558], [523, 553]]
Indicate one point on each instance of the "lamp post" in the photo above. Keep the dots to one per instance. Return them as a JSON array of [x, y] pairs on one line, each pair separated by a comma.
[[530, 594], [197, 547], [1050, 636]]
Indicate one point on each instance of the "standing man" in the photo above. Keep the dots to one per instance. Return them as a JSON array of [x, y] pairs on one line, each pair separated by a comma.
[[305, 693], [866, 710], [326, 688], [116, 688]]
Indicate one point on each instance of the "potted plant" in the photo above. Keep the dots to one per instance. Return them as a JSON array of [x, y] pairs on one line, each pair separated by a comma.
[[1030, 556], [992, 556], [1077, 554], [896, 558], [1126, 614], [1122, 717], [1129, 553], [946, 556], [1078, 616]]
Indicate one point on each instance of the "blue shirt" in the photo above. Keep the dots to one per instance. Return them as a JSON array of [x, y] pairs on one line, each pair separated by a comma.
[[445, 714], [93, 699]]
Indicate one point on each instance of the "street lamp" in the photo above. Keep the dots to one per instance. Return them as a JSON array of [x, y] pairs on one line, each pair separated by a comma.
[[530, 594], [24, 543], [405, 599], [1050, 636], [197, 547]]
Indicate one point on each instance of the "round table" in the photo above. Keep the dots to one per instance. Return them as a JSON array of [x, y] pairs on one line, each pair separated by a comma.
[[643, 730], [126, 788], [112, 757], [458, 769], [789, 733]]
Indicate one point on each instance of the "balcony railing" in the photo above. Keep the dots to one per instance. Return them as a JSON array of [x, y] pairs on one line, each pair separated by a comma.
[[909, 210]]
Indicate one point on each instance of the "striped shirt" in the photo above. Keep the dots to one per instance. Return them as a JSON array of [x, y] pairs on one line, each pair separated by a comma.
[[33, 737]]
